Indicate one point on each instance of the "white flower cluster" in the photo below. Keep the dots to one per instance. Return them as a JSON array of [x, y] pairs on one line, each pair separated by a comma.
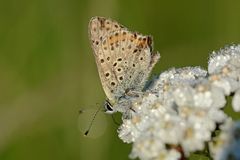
[[226, 146], [181, 108]]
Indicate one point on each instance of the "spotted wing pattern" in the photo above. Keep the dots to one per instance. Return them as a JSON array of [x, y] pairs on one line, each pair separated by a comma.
[[124, 59]]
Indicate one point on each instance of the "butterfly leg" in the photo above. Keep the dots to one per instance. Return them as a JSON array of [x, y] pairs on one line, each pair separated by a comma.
[[133, 93]]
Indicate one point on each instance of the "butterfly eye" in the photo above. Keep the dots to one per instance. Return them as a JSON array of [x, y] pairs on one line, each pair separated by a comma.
[[108, 107]]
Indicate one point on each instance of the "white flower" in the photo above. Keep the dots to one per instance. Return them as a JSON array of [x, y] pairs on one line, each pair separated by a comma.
[[181, 109], [228, 55], [128, 132], [227, 84], [236, 101], [224, 69], [227, 145], [174, 77], [148, 148]]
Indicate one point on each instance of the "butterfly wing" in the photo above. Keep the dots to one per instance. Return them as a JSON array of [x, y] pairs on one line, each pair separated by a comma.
[[99, 29], [124, 59]]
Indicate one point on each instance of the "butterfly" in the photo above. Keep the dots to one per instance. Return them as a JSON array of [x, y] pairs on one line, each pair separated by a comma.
[[124, 58]]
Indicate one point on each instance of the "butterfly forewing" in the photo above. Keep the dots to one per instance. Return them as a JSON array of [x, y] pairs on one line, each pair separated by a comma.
[[123, 58], [99, 28]]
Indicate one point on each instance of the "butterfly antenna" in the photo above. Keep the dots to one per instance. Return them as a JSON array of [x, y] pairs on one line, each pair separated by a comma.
[[91, 123]]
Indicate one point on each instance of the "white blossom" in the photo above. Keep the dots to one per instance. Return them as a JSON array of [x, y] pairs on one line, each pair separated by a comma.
[[236, 101], [227, 145], [180, 110]]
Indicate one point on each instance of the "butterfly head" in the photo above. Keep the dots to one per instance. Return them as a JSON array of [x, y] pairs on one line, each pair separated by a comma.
[[108, 107]]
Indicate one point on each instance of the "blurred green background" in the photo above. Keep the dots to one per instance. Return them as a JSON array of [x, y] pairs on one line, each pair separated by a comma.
[[48, 72]]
